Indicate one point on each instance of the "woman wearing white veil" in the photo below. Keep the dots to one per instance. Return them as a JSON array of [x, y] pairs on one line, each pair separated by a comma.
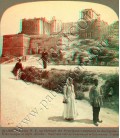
[[69, 112]]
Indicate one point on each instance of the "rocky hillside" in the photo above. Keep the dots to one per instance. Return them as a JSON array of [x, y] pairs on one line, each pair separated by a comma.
[[88, 52]]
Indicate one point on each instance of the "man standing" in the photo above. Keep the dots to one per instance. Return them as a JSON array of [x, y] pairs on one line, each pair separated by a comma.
[[95, 96], [44, 58]]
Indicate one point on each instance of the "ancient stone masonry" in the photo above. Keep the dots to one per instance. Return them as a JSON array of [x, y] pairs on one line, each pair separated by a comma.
[[16, 45], [95, 27], [37, 44], [36, 26], [39, 33]]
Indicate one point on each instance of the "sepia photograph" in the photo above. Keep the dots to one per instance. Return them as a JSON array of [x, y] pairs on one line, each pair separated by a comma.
[[59, 63]]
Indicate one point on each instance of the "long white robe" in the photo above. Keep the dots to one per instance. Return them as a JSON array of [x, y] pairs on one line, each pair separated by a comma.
[[69, 108]]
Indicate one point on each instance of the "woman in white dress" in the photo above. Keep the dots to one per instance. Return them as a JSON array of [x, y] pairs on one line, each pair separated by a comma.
[[69, 112]]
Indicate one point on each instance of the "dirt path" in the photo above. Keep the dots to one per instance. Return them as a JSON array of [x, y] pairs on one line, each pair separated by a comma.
[[33, 106]]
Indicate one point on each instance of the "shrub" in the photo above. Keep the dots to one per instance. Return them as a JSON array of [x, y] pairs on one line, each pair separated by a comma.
[[80, 95], [45, 74], [84, 88], [88, 79], [111, 81], [77, 86], [55, 80]]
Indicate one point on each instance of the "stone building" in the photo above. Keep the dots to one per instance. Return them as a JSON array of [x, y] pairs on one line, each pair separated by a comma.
[[35, 34], [39, 33], [15, 44], [56, 25], [36, 26], [37, 43], [89, 14], [95, 28], [69, 27], [40, 26]]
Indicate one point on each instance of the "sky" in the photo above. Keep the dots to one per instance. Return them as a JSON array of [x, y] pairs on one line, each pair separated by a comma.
[[66, 11]]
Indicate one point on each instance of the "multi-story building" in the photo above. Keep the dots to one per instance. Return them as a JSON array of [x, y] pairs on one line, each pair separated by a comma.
[[89, 14], [41, 26], [39, 33], [36, 26], [56, 25], [95, 27], [34, 35]]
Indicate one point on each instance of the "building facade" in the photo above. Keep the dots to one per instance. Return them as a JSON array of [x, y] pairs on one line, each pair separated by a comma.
[[36, 26], [95, 27], [38, 44], [39, 33], [16, 44]]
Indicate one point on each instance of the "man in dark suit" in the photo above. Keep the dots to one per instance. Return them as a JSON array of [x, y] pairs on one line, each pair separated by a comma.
[[95, 96], [45, 58]]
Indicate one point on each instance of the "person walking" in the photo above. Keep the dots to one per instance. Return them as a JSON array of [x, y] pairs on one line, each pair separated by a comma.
[[70, 111], [96, 101], [44, 58]]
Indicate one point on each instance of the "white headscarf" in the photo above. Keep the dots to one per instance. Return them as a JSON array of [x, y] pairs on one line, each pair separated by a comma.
[[69, 80]]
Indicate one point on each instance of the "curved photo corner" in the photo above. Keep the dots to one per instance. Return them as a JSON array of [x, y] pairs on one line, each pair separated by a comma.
[[24, 10], [14, 14], [46, 37]]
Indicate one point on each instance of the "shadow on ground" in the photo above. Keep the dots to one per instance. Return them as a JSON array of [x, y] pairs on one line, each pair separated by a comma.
[[61, 119], [86, 121]]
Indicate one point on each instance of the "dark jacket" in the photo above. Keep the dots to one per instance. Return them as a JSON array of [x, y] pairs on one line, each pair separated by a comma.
[[17, 67], [44, 55], [95, 96]]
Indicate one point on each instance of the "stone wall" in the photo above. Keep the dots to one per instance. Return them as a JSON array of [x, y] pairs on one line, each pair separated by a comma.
[[15, 44]]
